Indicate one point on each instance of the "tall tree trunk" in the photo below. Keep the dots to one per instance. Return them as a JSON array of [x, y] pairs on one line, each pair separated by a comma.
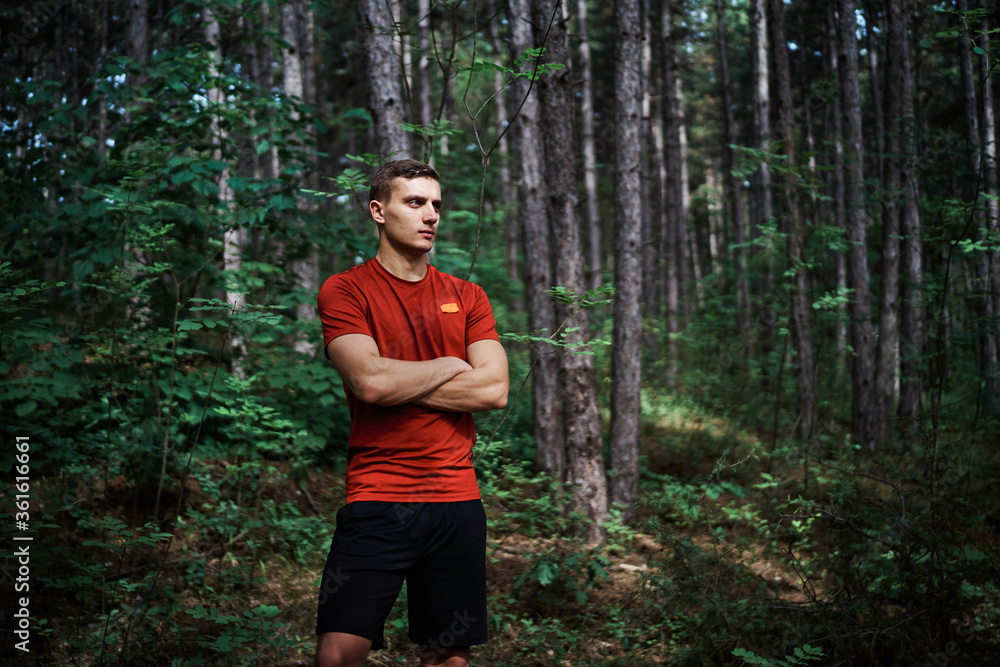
[[625, 377], [838, 184], [137, 48], [762, 208], [911, 261], [512, 237], [807, 105], [235, 236], [550, 446], [593, 224], [687, 237], [267, 82], [652, 125], [585, 465], [662, 252], [672, 199], [423, 69], [137, 35], [716, 221], [967, 69], [405, 52], [976, 143], [102, 99], [989, 281], [871, 19], [730, 183], [386, 101], [861, 336], [801, 309], [307, 43], [895, 193], [306, 269]]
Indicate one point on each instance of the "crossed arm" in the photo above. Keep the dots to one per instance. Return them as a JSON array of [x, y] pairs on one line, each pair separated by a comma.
[[445, 383]]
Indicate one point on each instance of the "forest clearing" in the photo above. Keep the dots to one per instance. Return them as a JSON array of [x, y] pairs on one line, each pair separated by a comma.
[[741, 257]]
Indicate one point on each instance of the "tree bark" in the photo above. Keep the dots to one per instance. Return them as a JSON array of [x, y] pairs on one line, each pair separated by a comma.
[[911, 260], [585, 466], [267, 82], [512, 237], [423, 69], [593, 221], [896, 192], [550, 445], [386, 101], [650, 178], [762, 209], [837, 185], [625, 376], [307, 41], [871, 19], [671, 209], [716, 221], [989, 280], [137, 35], [102, 98], [731, 185], [234, 237], [889, 197], [306, 269], [861, 335], [801, 309], [687, 238]]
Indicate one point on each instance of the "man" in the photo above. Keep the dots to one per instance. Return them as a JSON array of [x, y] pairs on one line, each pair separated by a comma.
[[418, 352]]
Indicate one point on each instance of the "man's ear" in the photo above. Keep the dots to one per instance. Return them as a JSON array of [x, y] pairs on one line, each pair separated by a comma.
[[376, 210]]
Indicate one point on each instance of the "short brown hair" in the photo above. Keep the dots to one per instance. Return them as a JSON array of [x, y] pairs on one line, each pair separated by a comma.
[[381, 183]]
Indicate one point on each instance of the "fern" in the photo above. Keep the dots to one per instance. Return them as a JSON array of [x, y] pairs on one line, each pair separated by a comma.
[[799, 656]]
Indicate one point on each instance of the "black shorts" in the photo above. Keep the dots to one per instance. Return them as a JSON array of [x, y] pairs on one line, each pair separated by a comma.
[[438, 548]]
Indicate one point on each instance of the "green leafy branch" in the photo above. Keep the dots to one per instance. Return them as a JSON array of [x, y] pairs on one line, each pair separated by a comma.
[[557, 339], [523, 68], [800, 656]]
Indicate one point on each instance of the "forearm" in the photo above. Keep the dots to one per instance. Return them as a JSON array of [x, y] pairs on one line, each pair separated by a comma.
[[394, 382], [473, 391]]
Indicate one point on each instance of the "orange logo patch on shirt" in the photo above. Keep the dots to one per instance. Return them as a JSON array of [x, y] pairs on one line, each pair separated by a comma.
[[449, 307]]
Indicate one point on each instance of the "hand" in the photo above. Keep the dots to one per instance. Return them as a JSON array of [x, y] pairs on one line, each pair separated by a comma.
[[458, 365]]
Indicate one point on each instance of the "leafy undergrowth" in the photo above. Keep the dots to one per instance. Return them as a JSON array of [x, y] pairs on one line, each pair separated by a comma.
[[740, 554]]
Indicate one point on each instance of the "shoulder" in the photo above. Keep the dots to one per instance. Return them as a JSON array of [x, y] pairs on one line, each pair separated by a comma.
[[347, 287], [352, 277], [460, 285]]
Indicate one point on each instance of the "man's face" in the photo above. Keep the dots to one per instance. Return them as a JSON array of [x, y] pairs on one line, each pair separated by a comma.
[[409, 219]]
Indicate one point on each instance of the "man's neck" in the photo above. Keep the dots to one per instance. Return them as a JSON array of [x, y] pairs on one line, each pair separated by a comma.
[[401, 266]]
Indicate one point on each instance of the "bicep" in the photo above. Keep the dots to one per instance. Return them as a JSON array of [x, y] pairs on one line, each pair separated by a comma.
[[353, 356], [488, 354]]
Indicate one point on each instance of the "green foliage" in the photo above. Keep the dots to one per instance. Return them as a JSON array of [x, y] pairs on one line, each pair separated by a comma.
[[557, 575], [572, 302], [801, 655], [775, 557], [524, 66]]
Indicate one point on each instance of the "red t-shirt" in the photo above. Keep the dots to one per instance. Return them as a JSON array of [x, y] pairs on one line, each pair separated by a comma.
[[408, 453]]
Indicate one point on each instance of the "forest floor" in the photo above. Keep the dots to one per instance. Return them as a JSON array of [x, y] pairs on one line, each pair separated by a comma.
[[523, 598], [713, 530]]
